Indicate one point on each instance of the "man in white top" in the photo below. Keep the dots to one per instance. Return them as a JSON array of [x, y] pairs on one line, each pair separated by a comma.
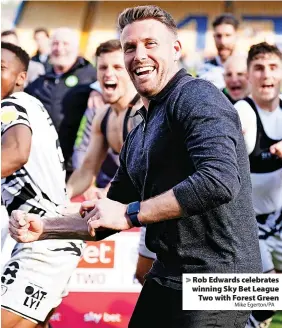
[[33, 179], [261, 118]]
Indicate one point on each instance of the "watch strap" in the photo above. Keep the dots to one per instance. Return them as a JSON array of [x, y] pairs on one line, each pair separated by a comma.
[[134, 220], [133, 215]]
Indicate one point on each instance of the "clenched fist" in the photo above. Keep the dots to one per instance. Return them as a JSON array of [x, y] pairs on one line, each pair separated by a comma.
[[25, 227]]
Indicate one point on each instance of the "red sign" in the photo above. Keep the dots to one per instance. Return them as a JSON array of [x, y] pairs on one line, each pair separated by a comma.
[[99, 254]]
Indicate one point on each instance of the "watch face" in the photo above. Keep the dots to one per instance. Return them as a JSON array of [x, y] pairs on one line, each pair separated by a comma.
[[133, 208]]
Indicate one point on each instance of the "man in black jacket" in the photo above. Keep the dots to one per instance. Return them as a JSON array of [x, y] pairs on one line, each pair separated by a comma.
[[65, 89], [184, 172]]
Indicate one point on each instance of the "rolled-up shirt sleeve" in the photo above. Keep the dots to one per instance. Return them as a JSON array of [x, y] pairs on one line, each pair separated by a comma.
[[211, 128]]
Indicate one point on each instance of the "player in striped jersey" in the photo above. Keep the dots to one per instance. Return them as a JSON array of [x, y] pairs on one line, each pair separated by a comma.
[[33, 179]]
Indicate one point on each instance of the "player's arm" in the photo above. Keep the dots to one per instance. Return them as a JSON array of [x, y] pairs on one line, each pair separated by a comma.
[[25, 227], [95, 100], [83, 177], [16, 142], [248, 123]]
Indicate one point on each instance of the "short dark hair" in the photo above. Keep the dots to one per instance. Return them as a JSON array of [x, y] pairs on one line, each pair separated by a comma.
[[18, 51], [130, 15], [228, 19], [9, 32], [261, 49], [108, 46], [41, 29]]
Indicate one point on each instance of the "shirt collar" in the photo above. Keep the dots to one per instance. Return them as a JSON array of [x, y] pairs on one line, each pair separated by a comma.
[[218, 60], [164, 92], [169, 86]]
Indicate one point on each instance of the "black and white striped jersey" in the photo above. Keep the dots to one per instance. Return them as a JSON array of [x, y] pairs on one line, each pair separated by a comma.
[[39, 186], [263, 129]]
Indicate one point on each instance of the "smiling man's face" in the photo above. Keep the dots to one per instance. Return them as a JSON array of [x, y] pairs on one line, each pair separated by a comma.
[[151, 52]]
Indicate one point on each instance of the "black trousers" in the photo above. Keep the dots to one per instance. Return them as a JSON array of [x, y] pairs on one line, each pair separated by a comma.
[[161, 307]]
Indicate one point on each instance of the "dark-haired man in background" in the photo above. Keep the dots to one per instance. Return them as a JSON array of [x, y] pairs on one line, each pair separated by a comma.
[[225, 29], [41, 37], [110, 126]]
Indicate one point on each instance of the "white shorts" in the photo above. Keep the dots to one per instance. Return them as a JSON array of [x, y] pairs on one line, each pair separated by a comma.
[[270, 241], [143, 250], [35, 278], [6, 251], [4, 225], [7, 242]]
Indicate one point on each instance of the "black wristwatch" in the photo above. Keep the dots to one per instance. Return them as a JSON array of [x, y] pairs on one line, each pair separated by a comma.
[[132, 212]]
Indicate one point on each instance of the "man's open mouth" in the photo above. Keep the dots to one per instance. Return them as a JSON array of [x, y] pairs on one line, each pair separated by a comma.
[[144, 70], [110, 85], [267, 86], [236, 88]]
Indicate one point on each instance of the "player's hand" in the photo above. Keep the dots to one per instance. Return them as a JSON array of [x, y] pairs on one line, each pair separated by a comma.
[[95, 100], [88, 205], [107, 214], [25, 227], [276, 149], [93, 193]]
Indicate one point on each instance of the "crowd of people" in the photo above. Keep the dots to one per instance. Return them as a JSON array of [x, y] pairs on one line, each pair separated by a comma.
[[195, 162]]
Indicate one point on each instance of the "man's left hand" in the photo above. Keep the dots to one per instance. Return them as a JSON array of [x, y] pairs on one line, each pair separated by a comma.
[[107, 214], [276, 149]]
